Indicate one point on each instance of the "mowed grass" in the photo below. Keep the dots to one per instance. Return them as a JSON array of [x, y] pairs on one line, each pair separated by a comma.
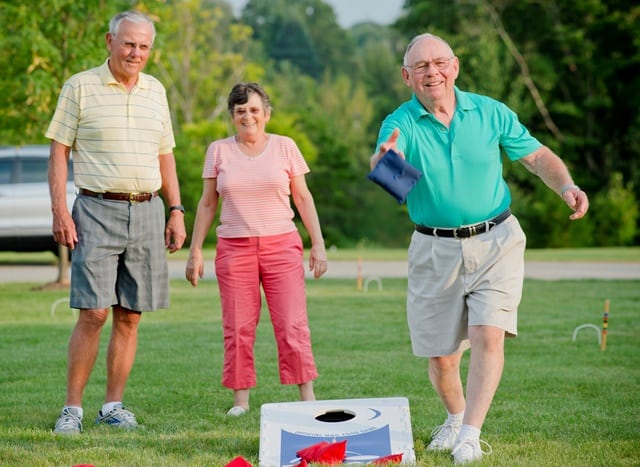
[[560, 403]]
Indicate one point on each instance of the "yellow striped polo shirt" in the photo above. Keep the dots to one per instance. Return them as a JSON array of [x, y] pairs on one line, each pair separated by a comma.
[[116, 135]]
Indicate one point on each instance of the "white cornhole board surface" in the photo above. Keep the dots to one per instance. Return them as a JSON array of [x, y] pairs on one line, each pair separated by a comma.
[[373, 428]]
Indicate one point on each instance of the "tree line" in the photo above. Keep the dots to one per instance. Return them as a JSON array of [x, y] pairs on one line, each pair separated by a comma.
[[567, 67]]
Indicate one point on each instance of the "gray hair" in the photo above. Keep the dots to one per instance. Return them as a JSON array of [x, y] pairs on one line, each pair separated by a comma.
[[418, 38], [132, 16]]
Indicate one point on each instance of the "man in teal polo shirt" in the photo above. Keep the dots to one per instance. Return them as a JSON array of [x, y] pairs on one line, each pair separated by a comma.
[[466, 257]]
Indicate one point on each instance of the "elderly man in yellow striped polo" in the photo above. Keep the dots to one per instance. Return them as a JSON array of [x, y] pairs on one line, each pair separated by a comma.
[[115, 119]]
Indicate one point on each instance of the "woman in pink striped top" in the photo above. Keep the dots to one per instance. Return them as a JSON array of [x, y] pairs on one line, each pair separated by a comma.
[[255, 175]]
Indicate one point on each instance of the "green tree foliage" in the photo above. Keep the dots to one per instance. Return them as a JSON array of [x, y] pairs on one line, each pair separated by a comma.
[[192, 141], [377, 68], [39, 54], [616, 214], [589, 51], [545, 218], [199, 54], [570, 81], [292, 44], [281, 26]]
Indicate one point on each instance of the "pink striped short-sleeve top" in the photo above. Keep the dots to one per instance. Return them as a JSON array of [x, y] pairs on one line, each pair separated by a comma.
[[254, 191]]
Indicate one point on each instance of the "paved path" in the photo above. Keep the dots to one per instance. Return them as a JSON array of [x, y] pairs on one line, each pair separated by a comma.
[[545, 270], [534, 270]]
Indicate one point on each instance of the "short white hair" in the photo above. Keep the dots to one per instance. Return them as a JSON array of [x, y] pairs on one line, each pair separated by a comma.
[[133, 16], [418, 38]]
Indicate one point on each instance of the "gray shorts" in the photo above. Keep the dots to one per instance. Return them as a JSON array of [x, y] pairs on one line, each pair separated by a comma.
[[457, 283], [120, 258]]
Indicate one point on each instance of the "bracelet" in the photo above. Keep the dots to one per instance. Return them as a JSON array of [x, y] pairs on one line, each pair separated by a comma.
[[568, 186]]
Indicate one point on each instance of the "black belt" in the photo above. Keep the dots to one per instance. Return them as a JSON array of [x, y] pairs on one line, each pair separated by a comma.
[[466, 231], [131, 197]]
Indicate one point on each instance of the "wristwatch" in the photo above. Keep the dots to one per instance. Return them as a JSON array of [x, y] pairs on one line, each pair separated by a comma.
[[177, 207]]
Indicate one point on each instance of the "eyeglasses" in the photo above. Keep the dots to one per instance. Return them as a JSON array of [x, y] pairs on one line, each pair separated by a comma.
[[420, 68], [130, 46]]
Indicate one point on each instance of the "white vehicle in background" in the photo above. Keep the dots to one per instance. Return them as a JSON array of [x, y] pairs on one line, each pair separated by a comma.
[[25, 205]]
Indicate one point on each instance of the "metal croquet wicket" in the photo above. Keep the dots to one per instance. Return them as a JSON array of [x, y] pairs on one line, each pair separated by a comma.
[[602, 334]]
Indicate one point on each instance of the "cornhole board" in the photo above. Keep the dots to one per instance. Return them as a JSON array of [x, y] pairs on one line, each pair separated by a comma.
[[373, 428]]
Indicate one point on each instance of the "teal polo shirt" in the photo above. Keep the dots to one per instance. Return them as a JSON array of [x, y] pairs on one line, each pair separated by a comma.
[[462, 165]]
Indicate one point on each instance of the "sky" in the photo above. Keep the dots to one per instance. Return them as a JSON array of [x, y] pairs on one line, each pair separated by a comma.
[[350, 12]]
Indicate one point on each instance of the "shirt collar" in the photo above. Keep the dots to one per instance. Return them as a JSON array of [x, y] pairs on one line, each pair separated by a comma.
[[108, 79], [463, 102]]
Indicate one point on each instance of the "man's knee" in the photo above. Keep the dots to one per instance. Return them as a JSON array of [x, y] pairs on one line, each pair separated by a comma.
[[124, 318], [94, 318], [489, 338], [445, 363]]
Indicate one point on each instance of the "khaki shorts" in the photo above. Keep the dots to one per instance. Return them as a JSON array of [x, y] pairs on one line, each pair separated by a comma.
[[457, 283]]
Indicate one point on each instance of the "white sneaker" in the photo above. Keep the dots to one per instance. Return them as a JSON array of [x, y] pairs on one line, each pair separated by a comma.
[[237, 411], [68, 423], [470, 450], [443, 437], [118, 417]]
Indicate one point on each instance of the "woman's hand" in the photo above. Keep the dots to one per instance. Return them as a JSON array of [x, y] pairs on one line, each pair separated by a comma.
[[195, 267], [318, 260]]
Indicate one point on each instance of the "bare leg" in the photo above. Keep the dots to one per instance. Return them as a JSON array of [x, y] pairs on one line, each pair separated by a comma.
[[83, 350], [485, 371], [121, 352], [306, 391], [444, 373], [241, 398]]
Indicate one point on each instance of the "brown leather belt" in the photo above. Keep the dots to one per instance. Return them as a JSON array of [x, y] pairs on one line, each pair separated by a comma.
[[466, 231], [130, 197]]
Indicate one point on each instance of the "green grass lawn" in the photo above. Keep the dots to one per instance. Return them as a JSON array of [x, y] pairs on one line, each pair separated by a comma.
[[561, 403]]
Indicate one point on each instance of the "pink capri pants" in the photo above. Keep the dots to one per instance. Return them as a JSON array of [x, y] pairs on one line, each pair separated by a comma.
[[242, 265]]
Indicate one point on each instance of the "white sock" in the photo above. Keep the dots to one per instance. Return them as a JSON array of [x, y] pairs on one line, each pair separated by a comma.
[[469, 432], [77, 410], [455, 418], [108, 407]]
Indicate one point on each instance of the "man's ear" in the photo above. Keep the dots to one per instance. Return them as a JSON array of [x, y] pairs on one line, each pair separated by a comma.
[[456, 67], [405, 76]]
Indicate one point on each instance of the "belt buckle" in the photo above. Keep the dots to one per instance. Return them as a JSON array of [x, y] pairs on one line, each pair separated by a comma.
[[132, 197], [464, 232]]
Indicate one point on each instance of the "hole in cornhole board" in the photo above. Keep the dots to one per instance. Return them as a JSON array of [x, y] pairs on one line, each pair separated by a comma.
[[335, 416]]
